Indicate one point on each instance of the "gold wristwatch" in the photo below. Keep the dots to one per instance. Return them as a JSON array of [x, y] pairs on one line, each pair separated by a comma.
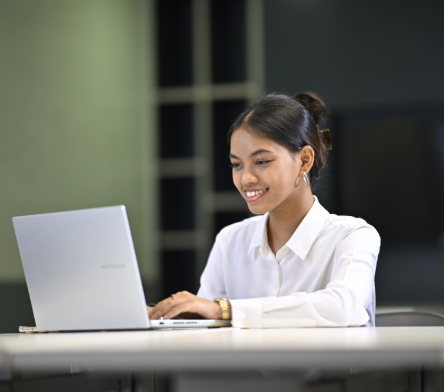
[[224, 309]]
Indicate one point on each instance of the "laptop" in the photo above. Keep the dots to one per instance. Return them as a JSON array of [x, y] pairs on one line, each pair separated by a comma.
[[82, 274]]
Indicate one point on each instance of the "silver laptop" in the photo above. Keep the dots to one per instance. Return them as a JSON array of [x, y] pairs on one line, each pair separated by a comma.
[[82, 273]]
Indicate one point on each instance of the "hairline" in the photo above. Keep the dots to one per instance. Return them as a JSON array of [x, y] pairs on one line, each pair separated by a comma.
[[254, 132]]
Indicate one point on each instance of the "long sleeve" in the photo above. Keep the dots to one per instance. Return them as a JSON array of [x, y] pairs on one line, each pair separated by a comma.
[[343, 302], [212, 280]]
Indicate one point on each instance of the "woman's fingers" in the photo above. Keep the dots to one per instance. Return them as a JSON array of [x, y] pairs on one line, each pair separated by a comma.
[[160, 309], [167, 304], [176, 310], [185, 302]]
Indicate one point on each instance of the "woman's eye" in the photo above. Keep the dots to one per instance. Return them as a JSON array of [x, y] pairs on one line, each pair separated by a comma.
[[262, 162], [235, 165]]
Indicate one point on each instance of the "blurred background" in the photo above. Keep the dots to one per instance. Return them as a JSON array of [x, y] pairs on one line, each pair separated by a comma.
[[128, 102]]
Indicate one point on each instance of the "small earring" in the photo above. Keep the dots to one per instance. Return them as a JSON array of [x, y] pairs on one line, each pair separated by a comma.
[[305, 177]]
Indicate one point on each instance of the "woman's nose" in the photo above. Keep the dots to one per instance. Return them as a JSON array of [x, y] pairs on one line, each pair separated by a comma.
[[248, 177]]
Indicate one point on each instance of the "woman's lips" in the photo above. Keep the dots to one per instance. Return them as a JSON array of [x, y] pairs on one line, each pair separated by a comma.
[[255, 197]]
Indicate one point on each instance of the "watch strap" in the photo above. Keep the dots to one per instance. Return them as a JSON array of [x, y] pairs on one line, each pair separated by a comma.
[[224, 308]]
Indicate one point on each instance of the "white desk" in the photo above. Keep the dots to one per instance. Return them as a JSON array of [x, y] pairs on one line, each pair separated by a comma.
[[228, 349], [231, 351]]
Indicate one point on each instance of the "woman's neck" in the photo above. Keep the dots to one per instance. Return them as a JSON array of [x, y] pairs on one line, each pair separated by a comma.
[[285, 219]]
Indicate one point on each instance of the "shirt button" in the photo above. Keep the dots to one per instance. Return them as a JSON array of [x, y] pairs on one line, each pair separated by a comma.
[[246, 321]]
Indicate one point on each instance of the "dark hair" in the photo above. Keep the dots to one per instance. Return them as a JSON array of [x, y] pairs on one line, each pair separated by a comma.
[[293, 122]]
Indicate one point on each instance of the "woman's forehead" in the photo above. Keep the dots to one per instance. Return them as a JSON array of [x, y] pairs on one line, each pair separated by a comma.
[[245, 141]]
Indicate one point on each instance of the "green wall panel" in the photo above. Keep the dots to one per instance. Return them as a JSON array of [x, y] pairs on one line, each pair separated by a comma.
[[75, 120]]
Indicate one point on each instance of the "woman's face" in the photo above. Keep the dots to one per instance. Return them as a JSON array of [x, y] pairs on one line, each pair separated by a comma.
[[265, 173]]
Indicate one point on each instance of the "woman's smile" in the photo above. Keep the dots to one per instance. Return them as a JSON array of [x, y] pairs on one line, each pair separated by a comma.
[[254, 194]]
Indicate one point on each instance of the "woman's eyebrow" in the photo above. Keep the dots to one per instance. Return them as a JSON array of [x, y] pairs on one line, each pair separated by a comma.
[[258, 152], [252, 154]]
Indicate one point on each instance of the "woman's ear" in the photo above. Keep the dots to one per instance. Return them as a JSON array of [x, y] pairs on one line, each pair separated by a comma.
[[306, 155]]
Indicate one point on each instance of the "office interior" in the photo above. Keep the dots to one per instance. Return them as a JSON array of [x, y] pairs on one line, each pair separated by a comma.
[[129, 101]]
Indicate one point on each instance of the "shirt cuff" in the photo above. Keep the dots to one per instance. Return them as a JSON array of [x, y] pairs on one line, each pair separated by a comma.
[[246, 313]]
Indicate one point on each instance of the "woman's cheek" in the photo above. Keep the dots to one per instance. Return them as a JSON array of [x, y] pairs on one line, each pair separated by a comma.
[[236, 180]]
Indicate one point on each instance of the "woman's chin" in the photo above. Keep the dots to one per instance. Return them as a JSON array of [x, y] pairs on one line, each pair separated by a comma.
[[257, 209]]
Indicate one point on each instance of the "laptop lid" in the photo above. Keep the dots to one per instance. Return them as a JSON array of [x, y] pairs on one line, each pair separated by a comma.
[[81, 270]]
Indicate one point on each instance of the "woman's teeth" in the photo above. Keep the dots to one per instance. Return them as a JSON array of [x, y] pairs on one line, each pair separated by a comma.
[[254, 193]]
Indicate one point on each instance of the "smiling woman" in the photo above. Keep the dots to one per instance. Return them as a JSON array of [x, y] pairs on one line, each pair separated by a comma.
[[295, 265]]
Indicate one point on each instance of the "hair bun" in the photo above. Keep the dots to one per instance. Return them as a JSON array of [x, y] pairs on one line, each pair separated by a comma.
[[314, 104]]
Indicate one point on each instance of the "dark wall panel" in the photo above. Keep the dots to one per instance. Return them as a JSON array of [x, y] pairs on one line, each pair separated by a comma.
[[15, 307], [178, 272], [178, 204], [356, 52], [391, 173], [228, 40], [410, 275], [224, 114], [174, 42], [176, 131]]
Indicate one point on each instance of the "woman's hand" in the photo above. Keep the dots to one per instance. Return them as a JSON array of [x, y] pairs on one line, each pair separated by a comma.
[[184, 304]]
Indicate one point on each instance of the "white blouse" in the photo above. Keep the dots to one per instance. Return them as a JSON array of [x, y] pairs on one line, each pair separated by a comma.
[[322, 277]]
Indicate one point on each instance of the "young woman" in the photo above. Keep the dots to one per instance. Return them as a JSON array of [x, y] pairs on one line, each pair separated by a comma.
[[294, 265]]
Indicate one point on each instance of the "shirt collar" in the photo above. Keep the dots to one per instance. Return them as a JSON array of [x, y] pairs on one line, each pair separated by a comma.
[[304, 236], [307, 232], [259, 233]]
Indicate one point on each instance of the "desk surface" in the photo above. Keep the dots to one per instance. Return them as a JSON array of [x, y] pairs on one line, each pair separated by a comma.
[[227, 349]]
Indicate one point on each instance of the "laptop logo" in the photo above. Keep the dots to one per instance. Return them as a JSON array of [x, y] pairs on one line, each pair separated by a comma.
[[108, 266]]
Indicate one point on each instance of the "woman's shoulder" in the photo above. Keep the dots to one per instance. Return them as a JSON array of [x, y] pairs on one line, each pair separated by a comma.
[[349, 224]]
